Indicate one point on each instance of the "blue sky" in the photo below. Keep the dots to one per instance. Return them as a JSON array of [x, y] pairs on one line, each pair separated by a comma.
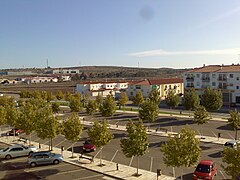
[[144, 33]]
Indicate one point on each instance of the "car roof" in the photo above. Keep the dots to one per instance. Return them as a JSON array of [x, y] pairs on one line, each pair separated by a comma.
[[206, 162], [232, 142], [41, 152]]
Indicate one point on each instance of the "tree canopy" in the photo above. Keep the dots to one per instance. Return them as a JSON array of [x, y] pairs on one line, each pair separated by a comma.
[[234, 121], [138, 99], [190, 99], [148, 111], [108, 106], [212, 99], [154, 96], [172, 99], [201, 115]]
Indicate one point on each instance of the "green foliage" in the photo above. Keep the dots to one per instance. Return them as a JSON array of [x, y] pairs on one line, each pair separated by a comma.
[[50, 96], [212, 99], [99, 100], [136, 142], [6, 101], [25, 94], [73, 128], [55, 107], [91, 107], [99, 133], [75, 104], [182, 149], [59, 95], [36, 94], [172, 99], [231, 158], [78, 96], [46, 123], [108, 106], [123, 99], [234, 121], [138, 99], [148, 111], [2, 115], [68, 96], [155, 97], [201, 115], [11, 116], [191, 99]]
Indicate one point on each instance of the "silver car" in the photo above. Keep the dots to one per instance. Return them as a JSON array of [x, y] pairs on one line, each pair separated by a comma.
[[232, 144], [17, 150], [44, 157]]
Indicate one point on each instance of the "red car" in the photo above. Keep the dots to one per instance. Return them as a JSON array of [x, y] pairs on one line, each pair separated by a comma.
[[206, 169], [16, 131], [88, 146]]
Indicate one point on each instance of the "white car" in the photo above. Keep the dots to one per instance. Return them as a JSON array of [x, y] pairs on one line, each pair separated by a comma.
[[232, 144], [17, 150]]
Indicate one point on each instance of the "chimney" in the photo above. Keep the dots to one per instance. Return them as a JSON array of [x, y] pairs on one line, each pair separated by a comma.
[[203, 65]]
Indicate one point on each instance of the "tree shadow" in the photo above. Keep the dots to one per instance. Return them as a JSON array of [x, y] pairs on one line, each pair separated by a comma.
[[76, 149], [157, 144], [204, 148], [188, 176], [216, 155], [225, 127], [119, 135]]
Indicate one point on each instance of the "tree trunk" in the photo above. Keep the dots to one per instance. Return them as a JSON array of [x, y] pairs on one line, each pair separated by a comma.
[[101, 157], [30, 138], [72, 151], [51, 144], [236, 135]]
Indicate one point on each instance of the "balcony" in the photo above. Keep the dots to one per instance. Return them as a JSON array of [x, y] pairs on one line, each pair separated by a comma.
[[222, 87], [222, 79], [189, 86]]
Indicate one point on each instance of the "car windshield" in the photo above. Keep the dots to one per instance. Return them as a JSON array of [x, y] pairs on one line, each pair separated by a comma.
[[52, 154], [203, 168], [228, 144]]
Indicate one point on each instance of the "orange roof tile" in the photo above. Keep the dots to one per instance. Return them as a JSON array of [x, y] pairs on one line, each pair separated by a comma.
[[216, 68]]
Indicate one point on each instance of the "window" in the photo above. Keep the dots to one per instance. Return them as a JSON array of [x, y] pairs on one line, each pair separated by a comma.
[[198, 83], [213, 75], [16, 149], [213, 83], [237, 78], [231, 75], [198, 75], [237, 87]]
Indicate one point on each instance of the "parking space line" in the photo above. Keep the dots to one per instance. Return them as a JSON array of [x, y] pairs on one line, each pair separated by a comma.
[[88, 177], [60, 142], [214, 133], [45, 167], [72, 171], [224, 177], [151, 164], [130, 163], [230, 136], [72, 145], [98, 152], [199, 132], [114, 155]]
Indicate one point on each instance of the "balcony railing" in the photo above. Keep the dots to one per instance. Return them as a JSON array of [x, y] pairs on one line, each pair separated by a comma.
[[222, 87], [222, 79], [190, 79], [206, 79], [190, 86]]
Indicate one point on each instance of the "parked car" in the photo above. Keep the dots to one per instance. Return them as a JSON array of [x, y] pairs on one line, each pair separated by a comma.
[[44, 157], [88, 146], [232, 144], [17, 150], [206, 169], [15, 131]]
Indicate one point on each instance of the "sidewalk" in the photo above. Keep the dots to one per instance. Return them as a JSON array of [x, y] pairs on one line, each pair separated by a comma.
[[109, 168]]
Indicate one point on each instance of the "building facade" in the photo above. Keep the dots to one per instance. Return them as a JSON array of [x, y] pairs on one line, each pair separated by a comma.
[[163, 86], [224, 77]]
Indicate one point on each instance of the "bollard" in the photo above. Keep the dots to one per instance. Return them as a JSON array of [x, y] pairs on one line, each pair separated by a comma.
[[219, 135], [159, 172], [62, 149], [39, 145], [180, 112], [117, 166]]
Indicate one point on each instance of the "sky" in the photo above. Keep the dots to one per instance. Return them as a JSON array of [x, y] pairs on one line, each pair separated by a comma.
[[129, 33]]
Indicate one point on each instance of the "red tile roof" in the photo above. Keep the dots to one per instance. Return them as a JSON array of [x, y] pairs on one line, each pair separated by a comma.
[[216, 68], [158, 81]]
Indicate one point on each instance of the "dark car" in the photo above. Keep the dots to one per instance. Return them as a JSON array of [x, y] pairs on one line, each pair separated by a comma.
[[232, 144], [15, 132], [88, 146], [206, 169]]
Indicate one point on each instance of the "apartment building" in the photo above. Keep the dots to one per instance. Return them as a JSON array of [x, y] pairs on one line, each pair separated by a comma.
[[224, 77], [163, 85], [101, 88]]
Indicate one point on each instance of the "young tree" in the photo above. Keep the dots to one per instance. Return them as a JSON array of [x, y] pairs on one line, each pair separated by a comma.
[[190, 99], [182, 149], [155, 97], [138, 99], [59, 95], [50, 96], [201, 115], [47, 124], [75, 104], [100, 135], [136, 143], [148, 111], [91, 107], [123, 100], [55, 107], [2, 117], [99, 100], [234, 121], [68, 96], [231, 158], [72, 128], [212, 99], [172, 99], [108, 106]]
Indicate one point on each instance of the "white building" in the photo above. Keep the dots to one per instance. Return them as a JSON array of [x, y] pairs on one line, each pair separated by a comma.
[[39, 79], [101, 88], [224, 77], [66, 71], [163, 86]]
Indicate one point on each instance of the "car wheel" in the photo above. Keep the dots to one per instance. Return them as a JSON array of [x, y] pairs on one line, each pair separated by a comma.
[[56, 161], [33, 164], [8, 156]]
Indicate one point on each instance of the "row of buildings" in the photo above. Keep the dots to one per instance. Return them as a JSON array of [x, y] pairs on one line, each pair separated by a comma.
[[224, 77]]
